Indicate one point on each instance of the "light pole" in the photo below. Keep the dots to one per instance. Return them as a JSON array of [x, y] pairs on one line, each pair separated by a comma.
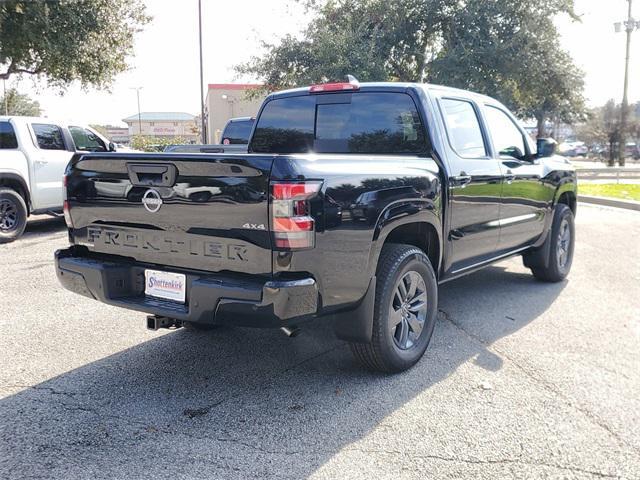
[[629, 26], [203, 127], [137, 89], [231, 100], [6, 100]]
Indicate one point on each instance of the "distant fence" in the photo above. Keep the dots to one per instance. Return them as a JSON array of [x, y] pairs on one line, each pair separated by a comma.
[[610, 173]]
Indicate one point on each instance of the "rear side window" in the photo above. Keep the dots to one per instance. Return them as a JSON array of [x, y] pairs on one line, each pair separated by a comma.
[[48, 137], [7, 136], [86, 140], [463, 128], [237, 133], [354, 123]]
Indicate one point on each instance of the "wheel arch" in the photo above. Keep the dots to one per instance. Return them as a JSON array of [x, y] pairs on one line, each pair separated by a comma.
[[567, 192], [421, 229], [17, 183], [568, 198]]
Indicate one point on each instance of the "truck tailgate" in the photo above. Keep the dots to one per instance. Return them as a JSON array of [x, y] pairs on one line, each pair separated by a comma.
[[205, 212]]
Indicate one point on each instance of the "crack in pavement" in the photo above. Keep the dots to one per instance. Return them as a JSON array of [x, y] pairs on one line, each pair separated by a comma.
[[549, 386], [51, 390], [496, 461], [204, 410], [192, 412]]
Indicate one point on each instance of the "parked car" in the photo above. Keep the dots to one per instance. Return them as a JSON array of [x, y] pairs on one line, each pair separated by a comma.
[[34, 153], [574, 149], [441, 182], [235, 138], [632, 150], [237, 131]]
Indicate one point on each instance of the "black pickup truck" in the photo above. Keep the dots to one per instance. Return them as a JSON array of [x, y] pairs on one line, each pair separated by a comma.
[[353, 203]]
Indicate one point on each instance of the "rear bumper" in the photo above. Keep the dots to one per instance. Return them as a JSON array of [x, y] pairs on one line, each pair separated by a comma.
[[211, 298]]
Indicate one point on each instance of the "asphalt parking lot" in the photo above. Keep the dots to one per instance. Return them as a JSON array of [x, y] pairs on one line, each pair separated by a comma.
[[522, 380]]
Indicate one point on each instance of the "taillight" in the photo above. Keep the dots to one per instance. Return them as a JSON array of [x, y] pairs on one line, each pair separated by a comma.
[[65, 203], [292, 224]]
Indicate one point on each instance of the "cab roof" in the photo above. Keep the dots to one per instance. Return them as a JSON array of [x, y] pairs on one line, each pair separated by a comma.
[[395, 86]]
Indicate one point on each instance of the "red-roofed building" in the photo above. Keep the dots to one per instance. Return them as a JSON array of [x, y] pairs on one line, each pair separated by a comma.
[[225, 101]]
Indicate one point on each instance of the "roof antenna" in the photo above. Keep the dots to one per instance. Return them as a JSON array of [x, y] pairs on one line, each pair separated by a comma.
[[351, 79]]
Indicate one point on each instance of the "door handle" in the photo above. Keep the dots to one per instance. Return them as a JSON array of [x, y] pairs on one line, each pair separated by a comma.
[[509, 177], [41, 162], [460, 180]]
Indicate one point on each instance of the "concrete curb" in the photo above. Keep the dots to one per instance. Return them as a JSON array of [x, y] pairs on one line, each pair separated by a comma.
[[610, 202]]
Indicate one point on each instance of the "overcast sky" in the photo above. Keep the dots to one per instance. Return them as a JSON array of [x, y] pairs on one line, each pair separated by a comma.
[[166, 56]]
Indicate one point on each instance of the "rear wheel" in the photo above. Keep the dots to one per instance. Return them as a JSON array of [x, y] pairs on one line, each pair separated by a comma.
[[13, 215], [404, 312], [562, 238]]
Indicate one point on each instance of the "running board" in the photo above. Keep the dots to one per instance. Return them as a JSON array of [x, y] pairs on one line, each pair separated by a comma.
[[55, 214]]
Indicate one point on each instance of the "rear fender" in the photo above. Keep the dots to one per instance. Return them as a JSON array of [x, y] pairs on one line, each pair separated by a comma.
[[403, 213], [17, 183]]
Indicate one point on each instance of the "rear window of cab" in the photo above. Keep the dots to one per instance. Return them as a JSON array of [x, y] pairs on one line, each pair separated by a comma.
[[361, 122]]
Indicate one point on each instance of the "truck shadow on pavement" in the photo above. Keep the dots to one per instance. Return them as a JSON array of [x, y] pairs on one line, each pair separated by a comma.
[[247, 403], [42, 225]]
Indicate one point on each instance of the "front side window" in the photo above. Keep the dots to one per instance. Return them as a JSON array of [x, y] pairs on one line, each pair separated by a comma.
[[86, 141], [463, 128], [375, 123], [507, 138], [48, 137], [7, 136]]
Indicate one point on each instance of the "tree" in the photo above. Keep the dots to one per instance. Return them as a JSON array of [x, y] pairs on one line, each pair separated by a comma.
[[508, 49], [603, 126], [68, 40], [371, 39], [154, 144], [16, 103]]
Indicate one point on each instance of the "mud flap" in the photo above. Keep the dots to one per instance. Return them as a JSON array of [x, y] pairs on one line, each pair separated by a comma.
[[357, 325], [539, 256]]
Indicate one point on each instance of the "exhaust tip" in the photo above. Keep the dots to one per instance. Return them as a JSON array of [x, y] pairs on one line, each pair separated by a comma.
[[290, 331]]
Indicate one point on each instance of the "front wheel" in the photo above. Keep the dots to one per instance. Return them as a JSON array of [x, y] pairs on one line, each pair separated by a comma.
[[562, 243], [405, 310], [13, 215]]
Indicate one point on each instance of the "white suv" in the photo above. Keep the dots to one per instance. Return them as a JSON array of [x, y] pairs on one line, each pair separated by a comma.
[[34, 153]]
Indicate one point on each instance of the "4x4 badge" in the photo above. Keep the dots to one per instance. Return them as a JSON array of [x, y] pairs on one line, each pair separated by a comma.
[[152, 200], [254, 226]]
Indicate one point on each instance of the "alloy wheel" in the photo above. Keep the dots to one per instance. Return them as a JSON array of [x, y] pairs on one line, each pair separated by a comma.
[[564, 244], [408, 310], [8, 215]]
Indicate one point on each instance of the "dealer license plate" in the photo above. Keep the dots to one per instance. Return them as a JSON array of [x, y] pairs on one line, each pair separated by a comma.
[[170, 286]]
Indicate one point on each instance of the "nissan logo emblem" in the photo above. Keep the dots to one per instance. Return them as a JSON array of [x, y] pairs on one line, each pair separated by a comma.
[[152, 200]]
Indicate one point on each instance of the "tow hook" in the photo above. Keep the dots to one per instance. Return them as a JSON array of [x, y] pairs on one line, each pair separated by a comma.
[[156, 322], [290, 331]]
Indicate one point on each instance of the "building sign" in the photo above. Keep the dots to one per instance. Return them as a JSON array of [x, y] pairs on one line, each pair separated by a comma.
[[164, 130]]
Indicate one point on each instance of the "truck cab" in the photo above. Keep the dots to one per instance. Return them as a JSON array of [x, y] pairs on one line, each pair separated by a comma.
[[34, 153]]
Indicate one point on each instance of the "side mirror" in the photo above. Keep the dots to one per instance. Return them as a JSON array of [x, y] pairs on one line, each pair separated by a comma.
[[546, 147], [111, 147]]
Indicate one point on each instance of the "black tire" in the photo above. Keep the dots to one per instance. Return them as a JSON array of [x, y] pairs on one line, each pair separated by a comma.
[[198, 327], [13, 215], [560, 248], [387, 352]]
